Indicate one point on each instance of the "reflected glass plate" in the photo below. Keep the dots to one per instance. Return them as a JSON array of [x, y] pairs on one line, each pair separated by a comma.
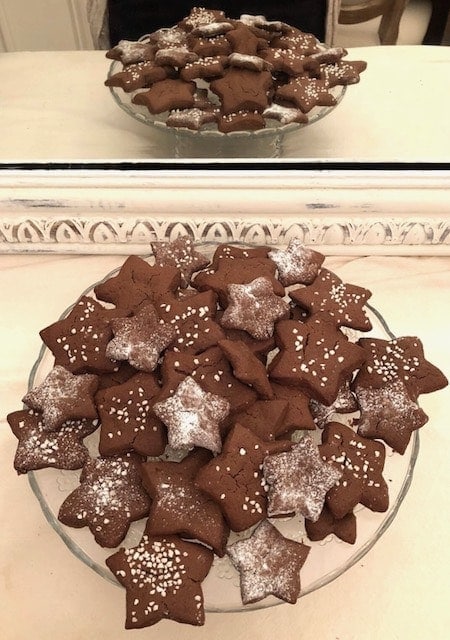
[[327, 559], [208, 141]]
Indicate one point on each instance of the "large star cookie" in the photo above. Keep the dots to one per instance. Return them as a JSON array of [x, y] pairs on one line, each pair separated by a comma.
[[315, 357], [269, 564], [79, 341], [343, 303], [179, 506], [39, 448], [64, 396], [138, 283], [162, 576], [110, 496], [234, 478], [298, 480], [127, 419], [193, 416]]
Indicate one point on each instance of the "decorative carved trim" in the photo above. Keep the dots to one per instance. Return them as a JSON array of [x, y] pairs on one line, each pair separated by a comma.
[[122, 212]]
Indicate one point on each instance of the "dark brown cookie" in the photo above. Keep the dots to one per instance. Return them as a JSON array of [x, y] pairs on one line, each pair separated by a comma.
[[79, 341], [63, 396], [266, 418], [305, 93], [345, 403], [343, 528], [360, 462], [241, 120], [162, 576], [242, 90], [389, 414], [127, 419], [137, 76], [315, 357], [344, 303], [130, 52], [298, 416], [167, 95], [180, 253], [179, 506], [234, 478], [39, 448], [298, 480], [109, 498], [138, 283], [268, 564], [247, 367]]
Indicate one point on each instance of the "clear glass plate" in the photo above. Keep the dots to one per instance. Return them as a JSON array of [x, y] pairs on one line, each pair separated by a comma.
[[209, 142], [327, 560]]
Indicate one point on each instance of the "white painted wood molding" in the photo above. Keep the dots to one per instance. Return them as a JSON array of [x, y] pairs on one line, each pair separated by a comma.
[[337, 211]]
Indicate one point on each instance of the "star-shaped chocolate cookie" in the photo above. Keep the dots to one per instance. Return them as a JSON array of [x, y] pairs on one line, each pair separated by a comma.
[[266, 418], [242, 90], [166, 95], [389, 414], [254, 307], [179, 506], [39, 448], [79, 341], [63, 396], [162, 576], [269, 564], [247, 367], [297, 264], [343, 303], [360, 462], [137, 76], [127, 419], [140, 339], [234, 478], [399, 359], [110, 496], [298, 480], [298, 416], [343, 72], [314, 357], [305, 93], [343, 528], [136, 283], [193, 416]]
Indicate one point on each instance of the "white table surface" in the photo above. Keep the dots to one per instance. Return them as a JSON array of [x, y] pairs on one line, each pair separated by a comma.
[[398, 591], [54, 107]]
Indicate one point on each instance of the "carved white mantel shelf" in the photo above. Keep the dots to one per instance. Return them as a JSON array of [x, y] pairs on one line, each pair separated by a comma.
[[112, 211]]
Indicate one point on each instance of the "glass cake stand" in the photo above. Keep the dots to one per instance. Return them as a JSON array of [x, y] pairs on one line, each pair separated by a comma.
[[211, 143], [327, 560]]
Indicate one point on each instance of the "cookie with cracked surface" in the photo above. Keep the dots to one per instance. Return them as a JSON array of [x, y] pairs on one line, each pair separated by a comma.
[[162, 576], [127, 419], [268, 564], [179, 506], [138, 283], [234, 479], [110, 496], [314, 357]]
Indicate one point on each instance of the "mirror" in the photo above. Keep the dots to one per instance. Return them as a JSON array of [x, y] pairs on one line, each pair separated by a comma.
[[55, 107]]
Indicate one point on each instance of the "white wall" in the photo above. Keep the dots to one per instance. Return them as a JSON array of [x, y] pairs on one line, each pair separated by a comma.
[[40, 25]]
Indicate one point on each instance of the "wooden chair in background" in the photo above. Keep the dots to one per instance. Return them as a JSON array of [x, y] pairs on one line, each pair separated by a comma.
[[391, 11]]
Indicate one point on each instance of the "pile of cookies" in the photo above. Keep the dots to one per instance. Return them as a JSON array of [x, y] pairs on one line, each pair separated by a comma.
[[233, 74], [240, 365]]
